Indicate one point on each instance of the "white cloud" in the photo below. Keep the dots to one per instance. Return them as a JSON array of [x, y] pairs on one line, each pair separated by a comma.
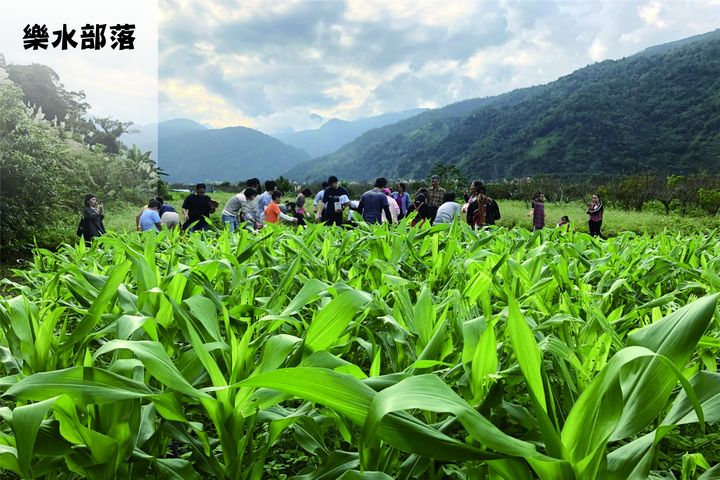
[[598, 50], [275, 63], [197, 102], [651, 14]]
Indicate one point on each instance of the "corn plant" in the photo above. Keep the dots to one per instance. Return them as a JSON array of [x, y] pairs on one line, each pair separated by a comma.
[[437, 352]]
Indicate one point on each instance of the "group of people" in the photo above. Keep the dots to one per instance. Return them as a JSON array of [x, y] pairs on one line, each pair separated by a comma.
[[594, 210], [253, 208], [332, 205], [196, 209], [157, 214]]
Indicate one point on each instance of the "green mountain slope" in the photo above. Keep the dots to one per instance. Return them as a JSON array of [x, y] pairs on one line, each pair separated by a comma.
[[146, 136], [658, 111], [231, 154]]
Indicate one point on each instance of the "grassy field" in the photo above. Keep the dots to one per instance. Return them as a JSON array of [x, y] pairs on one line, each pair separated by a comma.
[[373, 353], [514, 215], [651, 220]]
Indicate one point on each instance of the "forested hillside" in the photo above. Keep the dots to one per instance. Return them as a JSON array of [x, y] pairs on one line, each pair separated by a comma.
[[232, 154], [654, 111]]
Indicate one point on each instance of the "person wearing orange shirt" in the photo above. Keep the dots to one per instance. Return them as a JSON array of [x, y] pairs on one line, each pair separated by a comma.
[[273, 212]]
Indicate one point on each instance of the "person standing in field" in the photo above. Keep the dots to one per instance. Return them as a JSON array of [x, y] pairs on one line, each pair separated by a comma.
[[253, 183], [595, 210], [150, 218], [331, 205], [481, 209], [196, 208], [265, 199], [272, 211], [91, 224], [374, 202], [435, 195], [473, 203], [448, 211], [538, 211], [492, 209], [394, 207], [232, 214], [402, 197], [318, 200]]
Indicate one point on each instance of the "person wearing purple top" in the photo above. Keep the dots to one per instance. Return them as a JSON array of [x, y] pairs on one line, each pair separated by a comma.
[[402, 198], [595, 210], [538, 211]]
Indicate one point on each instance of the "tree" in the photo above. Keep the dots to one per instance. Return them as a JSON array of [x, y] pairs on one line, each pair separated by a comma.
[[44, 173], [109, 135], [453, 180], [709, 200], [42, 89], [34, 175], [666, 190], [635, 190], [284, 185]]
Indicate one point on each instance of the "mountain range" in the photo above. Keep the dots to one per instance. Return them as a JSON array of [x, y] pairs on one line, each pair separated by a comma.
[[189, 151], [335, 133], [225, 154], [658, 111]]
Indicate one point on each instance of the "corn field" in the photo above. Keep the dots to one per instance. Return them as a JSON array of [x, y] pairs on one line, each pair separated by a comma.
[[375, 353]]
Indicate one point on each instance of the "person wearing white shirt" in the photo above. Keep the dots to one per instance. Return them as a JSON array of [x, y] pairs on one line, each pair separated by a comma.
[[394, 207]]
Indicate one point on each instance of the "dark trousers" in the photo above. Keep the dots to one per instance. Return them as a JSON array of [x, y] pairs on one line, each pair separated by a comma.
[[594, 227], [333, 219], [432, 212]]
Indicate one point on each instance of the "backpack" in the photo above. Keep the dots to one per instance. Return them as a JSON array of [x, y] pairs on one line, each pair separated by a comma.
[[492, 212], [495, 209]]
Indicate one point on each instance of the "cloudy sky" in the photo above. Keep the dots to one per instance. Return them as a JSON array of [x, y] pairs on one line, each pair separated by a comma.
[[278, 65], [281, 65], [122, 84]]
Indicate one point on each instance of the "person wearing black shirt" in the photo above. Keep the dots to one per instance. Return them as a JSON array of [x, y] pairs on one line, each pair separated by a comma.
[[422, 208], [332, 208], [91, 224], [196, 208]]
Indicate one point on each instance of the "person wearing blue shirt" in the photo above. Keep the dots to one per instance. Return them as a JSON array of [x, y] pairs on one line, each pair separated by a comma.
[[374, 202], [150, 218]]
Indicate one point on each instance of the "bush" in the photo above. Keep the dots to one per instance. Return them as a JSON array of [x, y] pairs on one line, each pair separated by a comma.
[[709, 200], [44, 175]]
